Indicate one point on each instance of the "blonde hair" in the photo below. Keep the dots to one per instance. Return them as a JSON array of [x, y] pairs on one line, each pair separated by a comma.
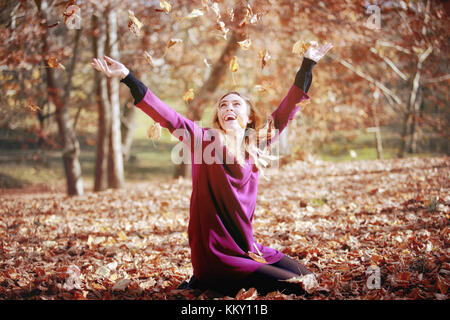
[[263, 129]]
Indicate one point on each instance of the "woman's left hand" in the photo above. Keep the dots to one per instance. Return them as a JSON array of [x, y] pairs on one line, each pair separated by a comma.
[[316, 52]]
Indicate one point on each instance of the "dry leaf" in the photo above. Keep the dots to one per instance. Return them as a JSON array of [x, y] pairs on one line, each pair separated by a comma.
[[309, 282], [74, 280], [340, 240], [172, 42], [234, 67], [215, 8], [222, 28], [154, 131], [147, 284], [121, 285], [250, 294], [249, 17], [33, 107], [149, 59], [134, 24], [194, 14], [122, 236], [103, 272], [52, 62], [256, 257], [165, 6], [188, 95], [261, 88], [208, 65], [264, 56], [245, 44], [300, 47], [97, 286], [241, 123]]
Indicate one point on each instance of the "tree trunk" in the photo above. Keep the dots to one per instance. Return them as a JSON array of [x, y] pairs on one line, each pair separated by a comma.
[[412, 102], [115, 158], [70, 145], [104, 117], [414, 123], [377, 131], [128, 126], [408, 114]]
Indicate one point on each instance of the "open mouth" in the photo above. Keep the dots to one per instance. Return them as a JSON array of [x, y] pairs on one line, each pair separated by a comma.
[[230, 117]]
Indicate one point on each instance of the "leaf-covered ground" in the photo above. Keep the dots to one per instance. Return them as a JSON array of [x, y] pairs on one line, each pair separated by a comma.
[[347, 222]]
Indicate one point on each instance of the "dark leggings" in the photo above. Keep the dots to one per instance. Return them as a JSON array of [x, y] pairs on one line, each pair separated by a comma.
[[267, 278]]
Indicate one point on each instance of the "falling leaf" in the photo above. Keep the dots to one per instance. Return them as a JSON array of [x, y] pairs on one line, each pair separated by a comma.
[[188, 95], [194, 14], [165, 6], [245, 44], [222, 28], [149, 59], [172, 42], [300, 47], [241, 123], [154, 131], [254, 19], [31, 106], [264, 56], [208, 65], [52, 62], [260, 88], [215, 8], [134, 25], [234, 67], [249, 17], [53, 25]]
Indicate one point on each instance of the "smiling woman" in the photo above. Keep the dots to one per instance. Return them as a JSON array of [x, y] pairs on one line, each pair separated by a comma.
[[224, 253]]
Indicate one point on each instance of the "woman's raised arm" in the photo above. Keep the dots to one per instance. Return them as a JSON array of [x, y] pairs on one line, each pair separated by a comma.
[[148, 102], [298, 92]]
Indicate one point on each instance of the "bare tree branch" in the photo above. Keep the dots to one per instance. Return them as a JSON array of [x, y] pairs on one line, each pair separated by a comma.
[[378, 84], [438, 79], [390, 64]]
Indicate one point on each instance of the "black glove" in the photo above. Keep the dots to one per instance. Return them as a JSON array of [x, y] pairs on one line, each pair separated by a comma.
[[303, 79]]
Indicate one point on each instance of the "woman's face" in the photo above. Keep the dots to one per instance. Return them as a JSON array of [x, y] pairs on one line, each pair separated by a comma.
[[233, 113]]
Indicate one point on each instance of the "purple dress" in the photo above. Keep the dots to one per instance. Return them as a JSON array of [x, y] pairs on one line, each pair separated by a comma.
[[223, 197]]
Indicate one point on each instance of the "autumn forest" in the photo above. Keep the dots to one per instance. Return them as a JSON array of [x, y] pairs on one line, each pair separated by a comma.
[[94, 207]]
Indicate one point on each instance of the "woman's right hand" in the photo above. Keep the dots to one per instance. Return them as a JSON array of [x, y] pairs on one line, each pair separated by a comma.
[[110, 67]]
